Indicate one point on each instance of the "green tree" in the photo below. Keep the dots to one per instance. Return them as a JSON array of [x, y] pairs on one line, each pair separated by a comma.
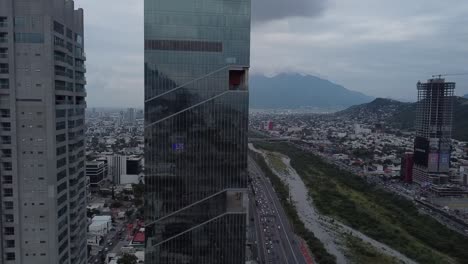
[[138, 190], [127, 259]]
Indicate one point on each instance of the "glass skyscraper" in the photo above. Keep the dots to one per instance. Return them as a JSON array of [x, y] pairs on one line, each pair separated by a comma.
[[196, 121]]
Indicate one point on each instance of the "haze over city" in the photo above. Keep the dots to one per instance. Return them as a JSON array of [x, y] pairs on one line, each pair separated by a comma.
[[374, 47]]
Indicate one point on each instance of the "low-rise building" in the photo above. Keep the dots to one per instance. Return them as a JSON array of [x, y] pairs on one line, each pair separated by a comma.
[[100, 225]]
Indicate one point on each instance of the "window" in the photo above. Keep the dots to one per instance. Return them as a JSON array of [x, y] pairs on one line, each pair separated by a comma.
[[6, 140], [69, 33], [29, 38], [20, 22], [8, 205], [61, 175], [7, 192], [69, 47], [9, 231], [7, 166], [184, 45], [62, 187], [3, 68], [237, 80], [59, 28], [63, 246], [6, 126], [63, 234], [3, 37], [5, 113], [61, 162], [4, 83], [62, 199], [10, 256], [60, 125], [60, 113], [7, 179], [10, 243], [60, 138], [3, 53], [9, 218]]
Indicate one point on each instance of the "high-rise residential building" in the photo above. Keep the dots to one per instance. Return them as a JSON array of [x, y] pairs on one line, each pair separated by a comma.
[[96, 170], [131, 116], [117, 165], [42, 103], [432, 144], [196, 117], [406, 172]]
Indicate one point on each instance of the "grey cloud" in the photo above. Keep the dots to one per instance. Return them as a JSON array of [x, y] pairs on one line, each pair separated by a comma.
[[267, 10]]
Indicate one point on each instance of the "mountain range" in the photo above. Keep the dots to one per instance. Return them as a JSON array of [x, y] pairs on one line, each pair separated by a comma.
[[466, 96], [402, 115], [293, 91]]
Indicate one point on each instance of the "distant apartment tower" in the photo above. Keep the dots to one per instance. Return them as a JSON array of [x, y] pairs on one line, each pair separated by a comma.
[[196, 117], [117, 165], [432, 144], [42, 104], [407, 164], [96, 170], [131, 116]]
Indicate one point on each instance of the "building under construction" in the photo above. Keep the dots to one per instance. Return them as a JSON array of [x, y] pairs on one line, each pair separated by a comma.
[[432, 144]]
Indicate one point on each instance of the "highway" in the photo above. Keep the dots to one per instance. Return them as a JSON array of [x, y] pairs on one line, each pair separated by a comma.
[[277, 243]]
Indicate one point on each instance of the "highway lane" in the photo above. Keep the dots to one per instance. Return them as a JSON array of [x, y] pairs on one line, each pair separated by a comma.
[[259, 236], [275, 224]]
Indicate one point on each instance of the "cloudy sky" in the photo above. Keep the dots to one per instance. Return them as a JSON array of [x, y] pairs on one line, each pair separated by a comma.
[[378, 47]]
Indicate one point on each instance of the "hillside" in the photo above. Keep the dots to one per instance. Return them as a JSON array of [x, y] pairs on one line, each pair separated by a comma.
[[381, 109], [293, 91], [402, 115]]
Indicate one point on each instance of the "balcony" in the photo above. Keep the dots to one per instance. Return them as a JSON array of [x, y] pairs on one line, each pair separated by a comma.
[[63, 102], [80, 55], [80, 79], [61, 73], [3, 39], [60, 58], [3, 24], [80, 68], [63, 88]]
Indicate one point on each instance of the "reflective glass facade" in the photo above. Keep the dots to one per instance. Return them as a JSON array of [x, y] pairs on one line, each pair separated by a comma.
[[196, 117]]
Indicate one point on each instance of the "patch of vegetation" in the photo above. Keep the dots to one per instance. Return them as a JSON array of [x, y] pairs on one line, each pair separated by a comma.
[[380, 215], [256, 134], [314, 244], [277, 163], [360, 252]]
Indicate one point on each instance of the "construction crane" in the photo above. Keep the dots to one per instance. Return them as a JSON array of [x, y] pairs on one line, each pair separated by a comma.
[[449, 74]]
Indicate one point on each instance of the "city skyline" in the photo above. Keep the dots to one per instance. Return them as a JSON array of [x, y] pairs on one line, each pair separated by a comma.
[[356, 47], [199, 176]]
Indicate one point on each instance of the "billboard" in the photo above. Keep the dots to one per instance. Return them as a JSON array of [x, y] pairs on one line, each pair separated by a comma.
[[421, 151]]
